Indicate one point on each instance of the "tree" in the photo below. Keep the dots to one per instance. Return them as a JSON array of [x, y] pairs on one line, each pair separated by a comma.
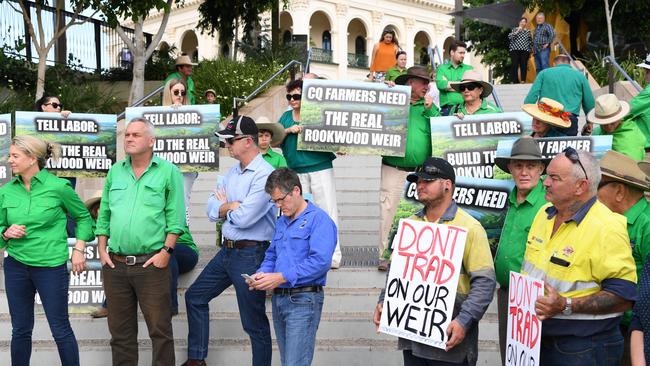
[[41, 44], [137, 11], [609, 13]]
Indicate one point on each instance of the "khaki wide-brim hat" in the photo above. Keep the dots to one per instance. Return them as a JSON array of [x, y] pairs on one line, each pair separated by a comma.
[[210, 91], [184, 60], [645, 168], [469, 77], [645, 64], [96, 197], [608, 109], [525, 148], [419, 72], [624, 169], [548, 111], [276, 129]]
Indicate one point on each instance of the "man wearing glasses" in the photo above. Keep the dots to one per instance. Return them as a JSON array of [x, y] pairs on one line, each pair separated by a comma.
[[581, 250], [248, 224]]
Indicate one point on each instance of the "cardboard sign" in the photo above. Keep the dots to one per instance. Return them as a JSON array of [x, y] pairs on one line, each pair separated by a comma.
[[184, 134], [87, 140], [5, 142], [422, 282], [524, 328], [354, 117]]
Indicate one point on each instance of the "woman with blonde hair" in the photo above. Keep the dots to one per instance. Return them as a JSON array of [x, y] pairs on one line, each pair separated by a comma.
[[33, 209], [175, 93]]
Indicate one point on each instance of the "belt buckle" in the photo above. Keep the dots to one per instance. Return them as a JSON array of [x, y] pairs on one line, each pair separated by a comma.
[[229, 244], [130, 260]]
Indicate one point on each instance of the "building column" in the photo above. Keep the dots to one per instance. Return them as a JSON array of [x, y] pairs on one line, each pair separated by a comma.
[[409, 43], [340, 46]]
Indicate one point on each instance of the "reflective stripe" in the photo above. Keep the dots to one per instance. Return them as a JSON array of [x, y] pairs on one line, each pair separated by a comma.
[[561, 286], [587, 316]]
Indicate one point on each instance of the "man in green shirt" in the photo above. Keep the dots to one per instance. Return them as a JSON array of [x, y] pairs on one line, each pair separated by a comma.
[[449, 72], [565, 85], [621, 190], [608, 114], [184, 72], [143, 213], [640, 105], [526, 165], [270, 134], [473, 91]]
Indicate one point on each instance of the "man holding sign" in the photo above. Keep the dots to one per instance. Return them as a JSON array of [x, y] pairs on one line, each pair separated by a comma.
[[435, 187]]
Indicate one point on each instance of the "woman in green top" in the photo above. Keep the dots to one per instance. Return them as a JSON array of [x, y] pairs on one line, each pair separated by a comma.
[[33, 209], [397, 70]]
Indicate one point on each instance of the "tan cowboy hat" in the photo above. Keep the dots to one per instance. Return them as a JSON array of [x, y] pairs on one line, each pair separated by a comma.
[[525, 148], [645, 168], [184, 60], [608, 109], [469, 77], [645, 64], [210, 91], [549, 111], [277, 130], [624, 169], [96, 197], [419, 72]]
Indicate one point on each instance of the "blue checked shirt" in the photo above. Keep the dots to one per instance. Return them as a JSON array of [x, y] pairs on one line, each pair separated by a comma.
[[544, 34]]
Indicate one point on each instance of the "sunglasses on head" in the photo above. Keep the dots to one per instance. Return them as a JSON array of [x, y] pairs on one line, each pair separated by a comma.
[[54, 105], [469, 87], [572, 155], [231, 140], [294, 96], [430, 170], [181, 92]]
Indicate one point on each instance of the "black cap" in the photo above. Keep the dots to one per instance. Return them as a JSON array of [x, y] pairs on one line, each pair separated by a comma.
[[241, 125], [433, 168]]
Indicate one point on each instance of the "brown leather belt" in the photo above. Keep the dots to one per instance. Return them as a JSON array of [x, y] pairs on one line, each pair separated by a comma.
[[132, 260], [296, 290], [240, 244]]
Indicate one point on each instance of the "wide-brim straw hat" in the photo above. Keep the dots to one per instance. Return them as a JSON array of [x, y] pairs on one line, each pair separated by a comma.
[[608, 109], [525, 148], [210, 91], [473, 77], [419, 72], [96, 197], [276, 129], [184, 60], [645, 64], [550, 112], [624, 169]]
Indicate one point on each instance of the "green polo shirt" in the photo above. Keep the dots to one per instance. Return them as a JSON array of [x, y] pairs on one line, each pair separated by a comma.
[[137, 214], [485, 108], [42, 210], [638, 228], [298, 160], [190, 85], [276, 160], [565, 85], [512, 244], [393, 73], [627, 139], [640, 113], [418, 137], [446, 73]]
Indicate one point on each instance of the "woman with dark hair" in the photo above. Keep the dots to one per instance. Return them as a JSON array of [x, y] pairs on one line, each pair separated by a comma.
[[399, 69], [383, 55], [521, 46], [51, 104]]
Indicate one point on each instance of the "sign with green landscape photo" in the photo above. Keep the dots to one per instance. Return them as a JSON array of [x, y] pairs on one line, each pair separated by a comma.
[[5, 141]]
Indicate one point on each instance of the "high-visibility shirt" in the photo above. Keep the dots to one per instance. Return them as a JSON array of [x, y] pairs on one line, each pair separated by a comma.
[[588, 253]]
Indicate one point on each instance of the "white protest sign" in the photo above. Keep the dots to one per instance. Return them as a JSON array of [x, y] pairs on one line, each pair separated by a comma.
[[422, 282], [524, 328]]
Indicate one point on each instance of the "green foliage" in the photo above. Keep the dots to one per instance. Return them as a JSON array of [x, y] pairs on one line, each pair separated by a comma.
[[161, 63], [597, 68], [221, 15], [114, 11]]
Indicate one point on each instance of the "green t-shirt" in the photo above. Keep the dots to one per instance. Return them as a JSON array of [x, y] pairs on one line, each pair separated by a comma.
[[626, 139], [298, 160], [393, 73], [190, 85], [446, 73], [276, 160], [640, 113], [485, 108], [638, 228]]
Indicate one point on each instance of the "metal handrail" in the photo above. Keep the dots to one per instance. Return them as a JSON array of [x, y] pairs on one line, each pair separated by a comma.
[[440, 56], [141, 101], [308, 61], [611, 62], [262, 86], [497, 101], [430, 52]]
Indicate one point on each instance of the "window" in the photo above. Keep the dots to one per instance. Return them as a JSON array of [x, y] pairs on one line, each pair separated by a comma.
[[327, 40], [360, 45]]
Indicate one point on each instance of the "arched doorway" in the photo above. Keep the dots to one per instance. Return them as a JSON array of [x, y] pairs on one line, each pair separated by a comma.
[[421, 43], [190, 45], [286, 27], [357, 40], [320, 37]]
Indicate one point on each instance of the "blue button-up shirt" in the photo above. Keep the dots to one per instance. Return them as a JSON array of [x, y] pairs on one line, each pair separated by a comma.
[[302, 249], [255, 217]]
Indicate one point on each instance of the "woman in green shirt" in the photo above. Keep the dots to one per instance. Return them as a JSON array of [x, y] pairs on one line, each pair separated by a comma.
[[33, 209], [397, 70]]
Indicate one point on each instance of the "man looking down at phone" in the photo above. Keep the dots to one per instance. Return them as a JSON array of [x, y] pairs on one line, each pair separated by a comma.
[[295, 267]]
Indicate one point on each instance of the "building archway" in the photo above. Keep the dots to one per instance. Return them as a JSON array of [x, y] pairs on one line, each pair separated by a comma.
[[320, 37], [357, 44], [190, 45], [286, 27], [421, 43]]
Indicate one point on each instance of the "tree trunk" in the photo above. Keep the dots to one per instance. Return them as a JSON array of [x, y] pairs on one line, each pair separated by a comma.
[[40, 75], [139, 60], [275, 25], [610, 36]]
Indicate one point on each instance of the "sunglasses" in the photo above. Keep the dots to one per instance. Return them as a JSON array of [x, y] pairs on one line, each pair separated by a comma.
[[294, 97], [181, 92], [469, 87], [430, 170], [572, 155], [231, 140], [54, 105]]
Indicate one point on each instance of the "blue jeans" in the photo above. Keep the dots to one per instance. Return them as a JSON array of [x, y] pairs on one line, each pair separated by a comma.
[[21, 283], [542, 59], [296, 319], [182, 261], [223, 270], [605, 349]]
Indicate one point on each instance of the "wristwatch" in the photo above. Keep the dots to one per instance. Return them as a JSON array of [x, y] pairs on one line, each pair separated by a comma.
[[568, 307], [169, 250]]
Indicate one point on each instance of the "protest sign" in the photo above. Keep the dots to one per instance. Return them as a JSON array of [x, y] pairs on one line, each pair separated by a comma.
[[354, 117], [5, 142], [184, 134], [87, 140], [422, 282], [524, 328], [470, 144]]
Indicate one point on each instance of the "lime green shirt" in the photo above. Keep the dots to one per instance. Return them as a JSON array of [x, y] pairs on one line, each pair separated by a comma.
[[640, 113], [393, 73], [298, 160], [137, 214], [485, 108], [276, 160], [446, 73], [627, 139], [418, 137], [638, 228], [42, 210], [512, 244], [190, 85]]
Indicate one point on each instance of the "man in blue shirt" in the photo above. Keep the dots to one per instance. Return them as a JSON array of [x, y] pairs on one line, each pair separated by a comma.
[[295, 267], [248, 224]]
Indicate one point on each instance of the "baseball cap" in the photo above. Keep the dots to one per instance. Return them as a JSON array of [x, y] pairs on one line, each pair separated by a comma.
[[241, 125], [433, 168]]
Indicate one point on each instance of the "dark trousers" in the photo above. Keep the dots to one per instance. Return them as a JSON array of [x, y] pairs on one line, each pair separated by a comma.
[[126, 287], [571, 130], [604, 349], [410, 360], [21, 284], [519, 67], [502, 307]]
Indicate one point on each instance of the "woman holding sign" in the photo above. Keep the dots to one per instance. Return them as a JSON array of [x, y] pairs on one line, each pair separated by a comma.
[[33, 209]]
